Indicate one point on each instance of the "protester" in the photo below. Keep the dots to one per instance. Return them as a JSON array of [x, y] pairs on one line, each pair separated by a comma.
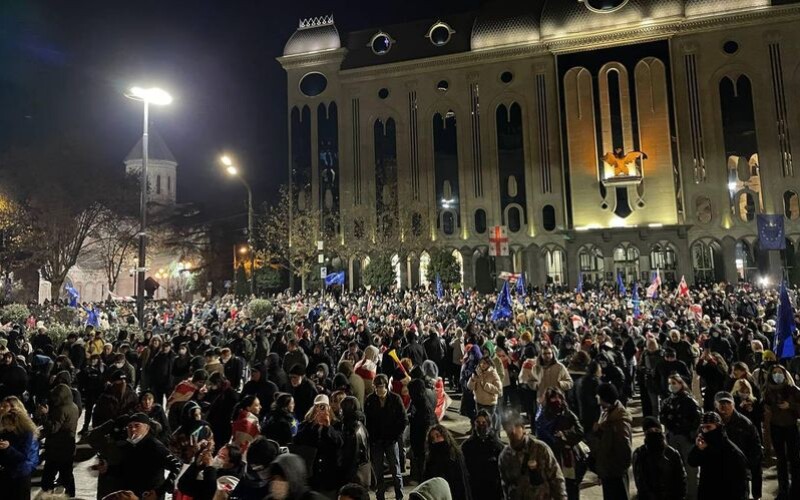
[[386, 421], [744, 435], [680, 415], [281, 425], [657, 467], [318, 432], [356, 465], [560, 429], [443, 459], [723, 467], [19, 453], [59, 426], [481, 453], [245, 427], [782, 406], [613, 445]]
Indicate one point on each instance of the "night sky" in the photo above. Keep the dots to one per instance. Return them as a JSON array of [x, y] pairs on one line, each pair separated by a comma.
[[64, 66]]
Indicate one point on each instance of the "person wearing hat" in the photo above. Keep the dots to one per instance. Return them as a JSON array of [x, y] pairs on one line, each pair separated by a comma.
[[743, 434], [680, 415], [117, 399], [682, 348], [723, 466], [318, 432], [657, 467], [144, 460], [612, 447]]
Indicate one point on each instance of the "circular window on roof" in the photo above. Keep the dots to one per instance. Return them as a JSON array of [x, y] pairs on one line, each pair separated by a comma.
[[442, 86], [440, 34], [381, 43], [604, 6], [383, 93], [730, 47], [313, 84], [506, 77]]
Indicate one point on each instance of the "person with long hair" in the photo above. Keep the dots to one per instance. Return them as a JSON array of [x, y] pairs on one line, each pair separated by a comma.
[[444, 459], [192, 435], [354, 457], [19, 452], [560, 429], [245, 426], [281, 424]]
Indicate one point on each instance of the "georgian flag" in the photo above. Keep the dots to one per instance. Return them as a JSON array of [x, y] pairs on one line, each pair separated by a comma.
[[652, 290], [683, 288]]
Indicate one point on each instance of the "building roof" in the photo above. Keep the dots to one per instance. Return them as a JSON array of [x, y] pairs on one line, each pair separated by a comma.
[[316, 34], [560, 18], [156, 148], [409, 41], [500, 23], [709, 7]]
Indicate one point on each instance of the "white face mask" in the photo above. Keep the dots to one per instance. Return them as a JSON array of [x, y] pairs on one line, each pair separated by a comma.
[[136, 439], [279, 489], [119, 365], [217, 463]]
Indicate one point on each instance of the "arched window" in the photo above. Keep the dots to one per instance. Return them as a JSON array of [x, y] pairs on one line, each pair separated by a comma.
[[555, 260], [445, 166], [460, 261], [591, 264], [662, 257], [514, 220], [626, 262], [548, 217], [424, 263], [705, 257], [702, 205], [448, 222], [745, 262], [791, 205], [480, 221]]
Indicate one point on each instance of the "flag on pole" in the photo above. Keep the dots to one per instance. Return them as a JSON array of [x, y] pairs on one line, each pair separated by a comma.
[[652, 290], [785, 327], [579, 288], [335, 279], [502, 308], [621, 285], [521, 285], [439, 289], [73, 295], [683, 288], [636, 310]]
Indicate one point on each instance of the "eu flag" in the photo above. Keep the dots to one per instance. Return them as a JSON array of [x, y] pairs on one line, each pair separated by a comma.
[[73, 295], [621, 285], [439, 289], [335, 279], [785, 327], [521, 285], [502, 308], [636, 302], [579, 289], [771, 234]]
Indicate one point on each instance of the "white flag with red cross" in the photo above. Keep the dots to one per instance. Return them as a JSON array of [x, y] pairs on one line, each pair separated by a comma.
[[498, 242], [683, 288]]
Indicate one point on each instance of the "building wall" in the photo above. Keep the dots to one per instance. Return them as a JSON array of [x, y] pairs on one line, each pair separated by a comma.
[[672, 110]]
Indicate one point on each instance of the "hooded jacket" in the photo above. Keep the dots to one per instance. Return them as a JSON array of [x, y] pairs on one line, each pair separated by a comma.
[[293, 469], [487, 386], [435, 488], [481, 456], [543, 376], [60, 425], [613, 445], [723, 468], [521, 483]]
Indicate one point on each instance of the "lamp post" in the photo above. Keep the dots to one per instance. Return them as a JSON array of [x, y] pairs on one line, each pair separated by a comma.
[[158, 97], [233, 171]]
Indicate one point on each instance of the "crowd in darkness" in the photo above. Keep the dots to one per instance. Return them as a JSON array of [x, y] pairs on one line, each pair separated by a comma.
[[340, 395]]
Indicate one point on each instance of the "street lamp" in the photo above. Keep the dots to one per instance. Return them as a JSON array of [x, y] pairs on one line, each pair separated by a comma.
[[158, 97], [233, 171]]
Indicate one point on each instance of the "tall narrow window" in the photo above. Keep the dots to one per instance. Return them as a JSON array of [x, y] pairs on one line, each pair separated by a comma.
[[445, 159], [328, 150], [741, 146], [511, 158], [386, 196], [169, 184], [301, 157], [158, 184]]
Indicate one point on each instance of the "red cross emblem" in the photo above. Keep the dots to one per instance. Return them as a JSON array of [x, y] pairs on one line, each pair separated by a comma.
[[498, 242]]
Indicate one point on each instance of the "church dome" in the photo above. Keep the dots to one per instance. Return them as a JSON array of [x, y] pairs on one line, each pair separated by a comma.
[[313, 35], [562, 18], [696, 8]]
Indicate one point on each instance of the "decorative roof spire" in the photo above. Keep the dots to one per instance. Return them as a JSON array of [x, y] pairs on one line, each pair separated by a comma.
[[315, 22]]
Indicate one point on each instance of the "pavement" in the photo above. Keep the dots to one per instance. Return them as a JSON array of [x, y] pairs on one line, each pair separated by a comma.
[[86, 479]]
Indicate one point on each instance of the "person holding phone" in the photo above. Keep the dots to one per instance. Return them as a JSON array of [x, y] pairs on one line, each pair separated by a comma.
[[19, 454], [723, 466]]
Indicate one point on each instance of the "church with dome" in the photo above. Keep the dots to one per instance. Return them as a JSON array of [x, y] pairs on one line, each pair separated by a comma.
[[595, 138]]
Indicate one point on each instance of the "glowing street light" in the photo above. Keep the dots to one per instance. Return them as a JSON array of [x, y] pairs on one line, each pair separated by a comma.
[[158, 97], [233, 171]]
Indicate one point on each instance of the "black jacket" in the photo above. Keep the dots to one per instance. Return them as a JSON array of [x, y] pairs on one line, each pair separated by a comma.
[[680, 414], [386, 422], [440, 463], [659, 473], [142, 466], [415, 352], [325, 473], [744, 435], [303, 395], [281, 426], [723, 470], [481, 458]]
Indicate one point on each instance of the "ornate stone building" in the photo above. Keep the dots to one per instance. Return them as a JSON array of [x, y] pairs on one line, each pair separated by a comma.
[[607, 136]]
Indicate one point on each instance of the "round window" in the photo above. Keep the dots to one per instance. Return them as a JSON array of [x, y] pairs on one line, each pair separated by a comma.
[[440, 34], [604, 5], [730, 47], [506, 77], [381, 43], [442, 86], [313, 84], [383, 93]]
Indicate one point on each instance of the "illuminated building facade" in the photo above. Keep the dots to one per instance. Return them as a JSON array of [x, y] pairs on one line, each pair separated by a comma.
[[607, 136]]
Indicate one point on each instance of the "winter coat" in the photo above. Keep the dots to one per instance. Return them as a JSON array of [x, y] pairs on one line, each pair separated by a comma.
[[385, 421], [548, 423], [281, 426], [414, 351], [541, 377], [435, 488], [142, 466], [184, 442], [296, 357], [245, 429], [613, 446], [421, 417], [199, 482], [520, 482], [222, 403], [60, 425], [111, 405], [481, 457], [586, 395], [13, 380], [440, 462], [354, 457], [327, 440], [659, 473], [680, 414], [21, 457], [486, 385], [723, 470], [303, 395], [777, 393]]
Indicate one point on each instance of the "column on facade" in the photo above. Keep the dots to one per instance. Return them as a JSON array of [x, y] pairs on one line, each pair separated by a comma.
[[469, 268], [729, 259]]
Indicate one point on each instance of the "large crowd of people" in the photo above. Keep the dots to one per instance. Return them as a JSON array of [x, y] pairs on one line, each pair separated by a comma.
[[338, 395]]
